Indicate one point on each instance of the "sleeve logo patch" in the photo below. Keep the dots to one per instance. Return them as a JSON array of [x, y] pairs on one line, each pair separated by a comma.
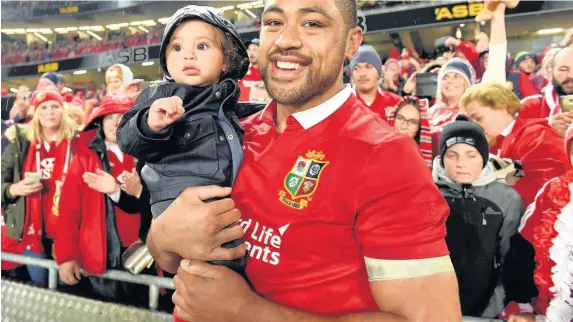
[[302, 180]]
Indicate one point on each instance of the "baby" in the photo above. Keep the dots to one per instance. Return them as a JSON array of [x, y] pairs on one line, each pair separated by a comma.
[[185, 129]]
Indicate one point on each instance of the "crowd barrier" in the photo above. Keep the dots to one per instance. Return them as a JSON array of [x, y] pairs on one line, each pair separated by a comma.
[[154, 282], [26, 303]]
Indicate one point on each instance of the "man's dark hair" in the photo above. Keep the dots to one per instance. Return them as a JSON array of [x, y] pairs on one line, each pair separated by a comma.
[[348, 10]]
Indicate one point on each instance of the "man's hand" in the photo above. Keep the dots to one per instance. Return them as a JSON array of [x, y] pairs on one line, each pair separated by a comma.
[[568, 38], [561, 121], [101, 181], [70, 272], [210, 293], [164, 112], [452, 42], [192, 229], [132, 183]]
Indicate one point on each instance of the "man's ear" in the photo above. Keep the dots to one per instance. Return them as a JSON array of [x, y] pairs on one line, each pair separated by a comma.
[[353, 42]]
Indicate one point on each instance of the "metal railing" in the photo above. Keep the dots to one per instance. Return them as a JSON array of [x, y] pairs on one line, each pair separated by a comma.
[[154, 282]]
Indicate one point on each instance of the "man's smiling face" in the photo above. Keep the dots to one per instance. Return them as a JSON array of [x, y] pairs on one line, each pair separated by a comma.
[[303, 47]]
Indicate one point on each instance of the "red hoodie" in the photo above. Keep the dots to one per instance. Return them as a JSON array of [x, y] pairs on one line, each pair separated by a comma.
[[540, 150]]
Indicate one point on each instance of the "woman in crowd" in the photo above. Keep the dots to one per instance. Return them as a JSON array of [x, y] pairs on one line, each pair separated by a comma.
[[552, 215], [98, 220], [34, 166], [457, 75], [411, 118], [532, 142], [484, 215]]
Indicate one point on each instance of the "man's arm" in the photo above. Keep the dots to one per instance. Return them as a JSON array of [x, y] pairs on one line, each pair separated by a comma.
[[198, 295], [424, 299]]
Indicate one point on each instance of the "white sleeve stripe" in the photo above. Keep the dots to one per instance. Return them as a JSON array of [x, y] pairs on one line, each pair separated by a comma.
[[384, 269]]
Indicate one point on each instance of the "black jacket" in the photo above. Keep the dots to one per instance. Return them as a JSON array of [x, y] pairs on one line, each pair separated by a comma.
[[203, 147], [483, 218], [126, 203]]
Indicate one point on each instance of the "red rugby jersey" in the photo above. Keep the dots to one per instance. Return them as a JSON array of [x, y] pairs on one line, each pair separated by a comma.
[[337, 185], [252, 78]]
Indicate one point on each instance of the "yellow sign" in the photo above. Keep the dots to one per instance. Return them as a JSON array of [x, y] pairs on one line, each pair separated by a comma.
[[69, 10], [361, 4], [458, 12], [48, 67]]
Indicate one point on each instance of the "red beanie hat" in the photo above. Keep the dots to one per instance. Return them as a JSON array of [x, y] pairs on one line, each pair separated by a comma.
[[47, 94]]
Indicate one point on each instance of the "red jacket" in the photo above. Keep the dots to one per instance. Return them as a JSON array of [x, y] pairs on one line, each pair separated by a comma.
[[540, 106], [81, 231], [541, 152], [383, 104]]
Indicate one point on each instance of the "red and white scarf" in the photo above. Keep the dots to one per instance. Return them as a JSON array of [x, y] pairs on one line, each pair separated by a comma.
[[33, 227]]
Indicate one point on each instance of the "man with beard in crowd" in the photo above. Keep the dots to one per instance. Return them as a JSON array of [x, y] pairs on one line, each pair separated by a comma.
[[21, 108], [339, 243], [548, 105], [366, 69], [252, 86]]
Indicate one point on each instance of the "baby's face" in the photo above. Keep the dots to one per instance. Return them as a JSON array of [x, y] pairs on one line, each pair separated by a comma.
[[194, 55]]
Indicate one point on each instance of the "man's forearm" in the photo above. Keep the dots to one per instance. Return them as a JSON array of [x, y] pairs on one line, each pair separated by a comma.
[[263, 310]]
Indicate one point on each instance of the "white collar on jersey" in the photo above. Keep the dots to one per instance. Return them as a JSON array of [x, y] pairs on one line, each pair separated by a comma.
[[319, 113], [508, 129]]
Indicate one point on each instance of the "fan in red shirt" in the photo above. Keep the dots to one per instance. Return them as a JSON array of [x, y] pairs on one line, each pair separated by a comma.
[[252, 86], [341, 218], [548, 105], [34, 166], [533, 143], [366, 69], [97, 219]]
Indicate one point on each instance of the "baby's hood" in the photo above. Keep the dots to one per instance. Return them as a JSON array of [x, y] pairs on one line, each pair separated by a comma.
[[209, 15]]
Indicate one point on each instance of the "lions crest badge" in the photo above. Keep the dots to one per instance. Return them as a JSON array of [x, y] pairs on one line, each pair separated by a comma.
[[302, 180]]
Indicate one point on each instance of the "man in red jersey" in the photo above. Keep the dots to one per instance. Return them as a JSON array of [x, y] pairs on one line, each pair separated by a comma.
[[341, 219], [548, 105], [366, 69]]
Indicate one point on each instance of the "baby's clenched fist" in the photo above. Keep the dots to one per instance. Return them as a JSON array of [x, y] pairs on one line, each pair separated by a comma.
[[164, 112]]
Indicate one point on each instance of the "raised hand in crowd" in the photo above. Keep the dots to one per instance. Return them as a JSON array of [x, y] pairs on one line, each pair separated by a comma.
[[561, 121], [568, 38], [131, 89], [131, 183], [452, 42], [25, 187], [101, 181], [193, 229], [70, 272], [410, 85], [164, 112]]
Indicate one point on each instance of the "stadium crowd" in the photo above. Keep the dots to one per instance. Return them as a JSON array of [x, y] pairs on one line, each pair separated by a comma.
[[16, 51], [494, 130]]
